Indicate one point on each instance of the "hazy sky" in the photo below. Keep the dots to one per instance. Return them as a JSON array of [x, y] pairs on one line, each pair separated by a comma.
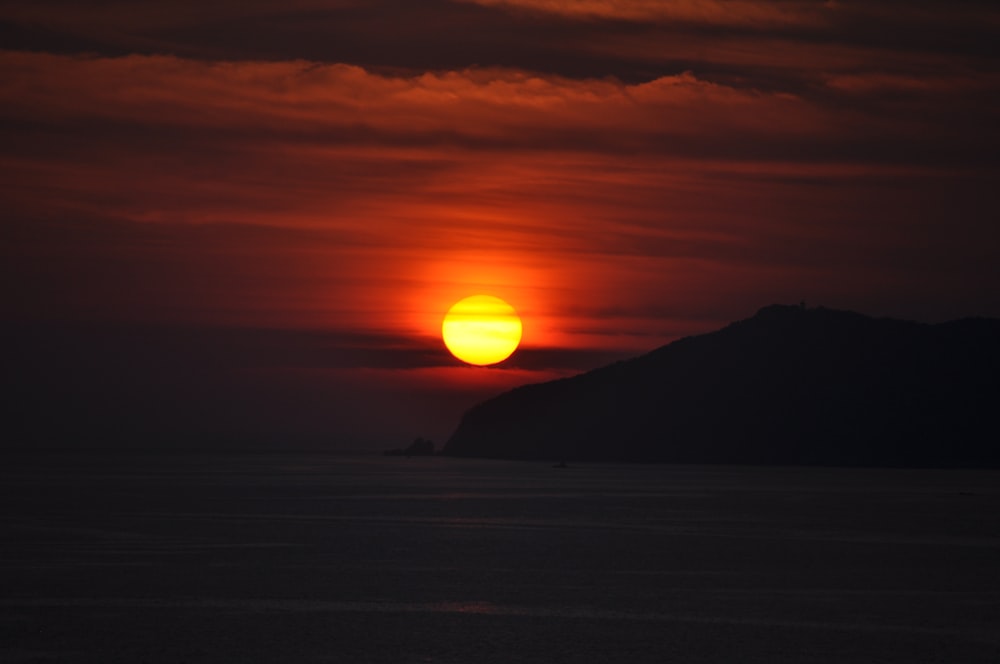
[[242, 221]]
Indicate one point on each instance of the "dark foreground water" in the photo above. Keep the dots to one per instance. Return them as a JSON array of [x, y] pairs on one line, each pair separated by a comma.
[[312, 558]]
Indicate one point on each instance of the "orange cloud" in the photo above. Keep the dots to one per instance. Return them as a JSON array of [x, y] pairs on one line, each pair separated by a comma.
[[301, 98], [712, 12]]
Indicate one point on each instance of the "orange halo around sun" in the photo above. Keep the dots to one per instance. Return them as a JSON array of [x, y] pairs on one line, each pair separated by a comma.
[[481, 330]]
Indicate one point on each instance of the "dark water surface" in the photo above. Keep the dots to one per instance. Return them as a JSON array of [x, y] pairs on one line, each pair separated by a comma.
[[313, 558]]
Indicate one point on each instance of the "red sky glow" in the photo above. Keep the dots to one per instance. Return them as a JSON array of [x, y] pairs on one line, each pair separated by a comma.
[[279, 201]]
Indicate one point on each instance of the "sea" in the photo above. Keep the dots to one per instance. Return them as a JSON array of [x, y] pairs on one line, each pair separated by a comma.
[[309, 557]]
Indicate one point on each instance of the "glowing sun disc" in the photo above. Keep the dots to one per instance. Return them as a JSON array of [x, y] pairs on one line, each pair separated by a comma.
[[481, 330]]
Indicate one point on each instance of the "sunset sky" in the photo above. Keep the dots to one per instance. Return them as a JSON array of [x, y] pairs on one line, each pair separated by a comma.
[[240, 222]]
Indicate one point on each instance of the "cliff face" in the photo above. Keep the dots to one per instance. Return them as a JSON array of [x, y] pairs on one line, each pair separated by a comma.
[[788, 386]]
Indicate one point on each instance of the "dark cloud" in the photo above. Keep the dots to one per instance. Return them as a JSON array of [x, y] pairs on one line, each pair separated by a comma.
[[633, 41], [136, 386]]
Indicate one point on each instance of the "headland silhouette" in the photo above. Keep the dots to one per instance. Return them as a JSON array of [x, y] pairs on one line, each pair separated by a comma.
[[791, 385]]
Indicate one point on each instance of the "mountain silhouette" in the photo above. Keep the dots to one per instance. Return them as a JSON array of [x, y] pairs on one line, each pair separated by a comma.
[[788, 386]]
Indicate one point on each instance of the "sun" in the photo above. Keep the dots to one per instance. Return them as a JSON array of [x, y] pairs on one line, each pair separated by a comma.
[[481, 330]]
